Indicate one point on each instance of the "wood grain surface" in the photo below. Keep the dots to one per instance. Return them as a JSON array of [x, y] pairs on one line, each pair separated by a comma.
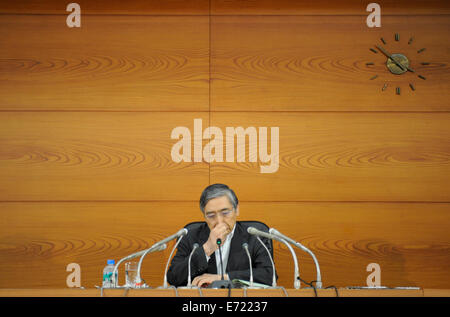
[[436, 292], [324, 7], [55, 292], [227, 7], [38, 240], [96, 156], [110, 63], [344, 157], [108, 7], [346, 237], [86, 115], [313, 63]]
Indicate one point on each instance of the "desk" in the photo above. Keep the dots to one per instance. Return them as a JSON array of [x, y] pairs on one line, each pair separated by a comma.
[[343, 292]]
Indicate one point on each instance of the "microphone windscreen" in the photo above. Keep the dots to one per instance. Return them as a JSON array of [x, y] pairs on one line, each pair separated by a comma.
[[245, 245], [274, 231]]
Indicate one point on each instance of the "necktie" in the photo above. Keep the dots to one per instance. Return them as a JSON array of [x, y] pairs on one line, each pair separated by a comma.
[[212, 266]]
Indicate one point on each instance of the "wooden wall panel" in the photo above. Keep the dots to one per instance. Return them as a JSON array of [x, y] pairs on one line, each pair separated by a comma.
[[346, 237], [110, 63], [226, 7], [309, 63], [108, 7], [344, 157], [95, 156], [325, 7], [38, 240], [86, 116]]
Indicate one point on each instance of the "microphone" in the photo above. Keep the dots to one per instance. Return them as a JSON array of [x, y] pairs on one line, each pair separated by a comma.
[[302, 247], [153, 248], [245, 246], [222, 283], [274, 277], [260, 233], [219, 242], [180, 234], [194, 247]]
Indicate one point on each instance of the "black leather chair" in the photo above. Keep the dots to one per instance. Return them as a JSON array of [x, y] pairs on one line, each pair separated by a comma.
[[248, 223]]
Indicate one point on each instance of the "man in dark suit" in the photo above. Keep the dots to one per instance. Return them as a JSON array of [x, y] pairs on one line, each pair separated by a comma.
[[220, 208]]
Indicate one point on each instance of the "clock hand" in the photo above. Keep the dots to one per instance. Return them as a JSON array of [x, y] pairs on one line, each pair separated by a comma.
[[411, 70], [393, 59], [382, 50]]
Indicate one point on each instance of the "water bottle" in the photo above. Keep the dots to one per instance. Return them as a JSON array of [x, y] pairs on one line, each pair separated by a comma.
[[108, 273]]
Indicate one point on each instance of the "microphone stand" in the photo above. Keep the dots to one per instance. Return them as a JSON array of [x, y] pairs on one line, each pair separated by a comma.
[[274, 277], [167, 265], [189, 283], [222, 283], [257, 232], [251, 286], [245, 247], [153, 248], [159, 246], [302, 247]]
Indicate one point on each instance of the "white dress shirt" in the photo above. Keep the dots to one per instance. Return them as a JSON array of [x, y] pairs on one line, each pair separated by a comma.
[[226, 246]]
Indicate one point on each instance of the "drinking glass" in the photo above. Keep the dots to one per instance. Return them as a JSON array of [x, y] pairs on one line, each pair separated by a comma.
[[131, 274]]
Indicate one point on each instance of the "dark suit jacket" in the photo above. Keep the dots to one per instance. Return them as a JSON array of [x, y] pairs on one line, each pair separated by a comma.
[[238, 265]]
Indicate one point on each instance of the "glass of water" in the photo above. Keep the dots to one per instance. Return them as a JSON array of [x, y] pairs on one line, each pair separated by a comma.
[[131, 274]]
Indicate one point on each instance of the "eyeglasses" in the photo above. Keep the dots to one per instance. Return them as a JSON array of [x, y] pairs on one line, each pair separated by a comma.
[[224, 213]]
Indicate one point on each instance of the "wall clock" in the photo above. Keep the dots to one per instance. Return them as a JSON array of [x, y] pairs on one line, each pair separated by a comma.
[[398, 63]]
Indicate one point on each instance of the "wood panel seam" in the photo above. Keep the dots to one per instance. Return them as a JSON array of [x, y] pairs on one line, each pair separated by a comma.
[[233, 111], [240, 200], [209, 81], [222, 15]]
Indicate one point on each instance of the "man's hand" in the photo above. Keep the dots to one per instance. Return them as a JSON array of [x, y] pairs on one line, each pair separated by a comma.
[[220, 231], [206, 279]]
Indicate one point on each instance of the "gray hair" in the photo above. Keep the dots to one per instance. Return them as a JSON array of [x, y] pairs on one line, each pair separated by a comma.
[[217, 190]]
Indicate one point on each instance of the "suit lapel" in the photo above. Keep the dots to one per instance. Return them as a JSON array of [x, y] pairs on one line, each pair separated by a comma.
[[235, 256]]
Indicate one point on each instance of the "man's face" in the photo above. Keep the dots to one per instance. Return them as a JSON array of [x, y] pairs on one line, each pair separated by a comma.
[[220, 210]]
